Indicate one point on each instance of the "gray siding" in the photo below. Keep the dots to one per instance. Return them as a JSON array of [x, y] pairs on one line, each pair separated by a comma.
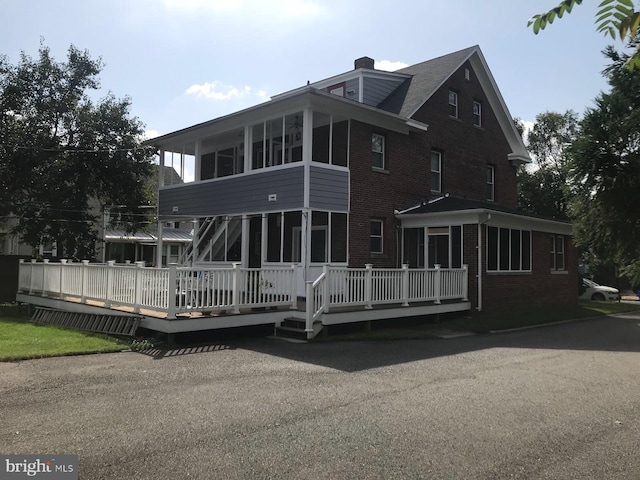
[[376, 90], [352, 85], [329, 189], [237, 194]]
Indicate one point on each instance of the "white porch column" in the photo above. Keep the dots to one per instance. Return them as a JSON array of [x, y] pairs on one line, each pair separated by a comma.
[[198, 162], [305, 242], [263, 234], [248, 151], [245, 242], [307, 145], [159, 245], [159, 222]]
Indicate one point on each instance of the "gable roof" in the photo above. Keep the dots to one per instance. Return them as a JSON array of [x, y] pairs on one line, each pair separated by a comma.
[[426, 78]]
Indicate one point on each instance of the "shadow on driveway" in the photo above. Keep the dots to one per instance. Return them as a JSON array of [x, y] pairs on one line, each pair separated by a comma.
[[613, 334]]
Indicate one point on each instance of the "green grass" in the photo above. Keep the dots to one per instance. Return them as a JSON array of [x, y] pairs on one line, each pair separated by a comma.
[[480, 324], [541, 316], [21, 340]]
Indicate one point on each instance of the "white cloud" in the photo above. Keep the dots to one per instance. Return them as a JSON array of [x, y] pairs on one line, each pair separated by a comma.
[[218, 91], [150, 134], [389, 66], [213, 91]]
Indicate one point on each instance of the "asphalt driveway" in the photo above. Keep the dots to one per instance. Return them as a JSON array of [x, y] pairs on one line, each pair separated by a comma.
[[560, 402]]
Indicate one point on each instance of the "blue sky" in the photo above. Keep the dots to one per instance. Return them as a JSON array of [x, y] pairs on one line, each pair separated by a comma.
[[188, 61]]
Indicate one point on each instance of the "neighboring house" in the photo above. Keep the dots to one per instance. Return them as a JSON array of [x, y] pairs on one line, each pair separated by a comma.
[[416, 166], [123, 246], [116, 244]]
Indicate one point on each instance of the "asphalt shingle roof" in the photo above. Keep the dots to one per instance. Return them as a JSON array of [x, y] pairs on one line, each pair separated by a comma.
[[426, 78]]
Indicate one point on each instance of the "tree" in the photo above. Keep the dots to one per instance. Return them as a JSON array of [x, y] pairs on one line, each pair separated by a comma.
[[542, 190], [605, 172], [64, 157], [613, 17]]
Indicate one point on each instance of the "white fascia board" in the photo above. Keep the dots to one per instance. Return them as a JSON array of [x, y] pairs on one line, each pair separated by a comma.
[[485, 216], [519, 153], [309, 96], [496, 101]]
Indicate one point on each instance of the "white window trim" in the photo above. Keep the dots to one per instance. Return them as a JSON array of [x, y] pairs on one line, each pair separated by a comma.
[[479, 114], [455, 104], [384, 147], [381, 236], [555, 252], [492, 183], [439, 171]]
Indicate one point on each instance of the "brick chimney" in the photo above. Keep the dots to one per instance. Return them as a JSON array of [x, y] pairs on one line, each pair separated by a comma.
[[364, 62]]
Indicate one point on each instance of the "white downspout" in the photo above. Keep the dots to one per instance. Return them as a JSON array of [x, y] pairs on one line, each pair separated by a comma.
[[480, 253], [479, 276]]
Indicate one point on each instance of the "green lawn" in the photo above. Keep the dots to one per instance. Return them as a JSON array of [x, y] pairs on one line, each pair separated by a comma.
[[483, 324], [20, 339], [541, 316]]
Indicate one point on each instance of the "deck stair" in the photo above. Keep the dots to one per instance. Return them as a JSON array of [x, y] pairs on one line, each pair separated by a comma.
[[125, 325], [294, 328]]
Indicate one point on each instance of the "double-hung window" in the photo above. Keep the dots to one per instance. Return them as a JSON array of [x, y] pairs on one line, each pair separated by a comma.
[[453, 104], [491, 183], [436, 171], [557, 253], [377, 229], [377, 149], [477, 114]]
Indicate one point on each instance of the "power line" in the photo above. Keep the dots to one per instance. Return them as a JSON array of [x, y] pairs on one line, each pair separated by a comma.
[[76, 150]]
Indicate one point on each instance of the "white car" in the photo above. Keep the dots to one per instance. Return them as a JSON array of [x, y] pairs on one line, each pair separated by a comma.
[[593, 291]]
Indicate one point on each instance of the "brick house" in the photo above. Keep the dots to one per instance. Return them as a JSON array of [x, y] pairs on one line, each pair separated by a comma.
[[416, 166]]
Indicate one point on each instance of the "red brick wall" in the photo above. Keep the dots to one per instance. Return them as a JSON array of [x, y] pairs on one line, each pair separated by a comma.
[[376, 194], [468, 149], [467, 152], [540, 287]]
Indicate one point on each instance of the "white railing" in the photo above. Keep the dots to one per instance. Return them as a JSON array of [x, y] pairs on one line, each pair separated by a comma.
[[177, 290], [347, 287], [173, 290]]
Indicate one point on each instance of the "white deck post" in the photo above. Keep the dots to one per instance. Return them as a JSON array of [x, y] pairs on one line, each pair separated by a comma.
[[437, 284], [63, 264], [367, 286], [33, 262], [137, 286], [310, 306], [294, 286], [173, 293], [44, 276], [235, 291], [325, 288], [465, 283], [85, 279], [405, 285], [20, 270], [109, 293]]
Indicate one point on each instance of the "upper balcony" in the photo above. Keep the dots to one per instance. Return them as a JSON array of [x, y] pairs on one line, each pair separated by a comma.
[[278, 150]]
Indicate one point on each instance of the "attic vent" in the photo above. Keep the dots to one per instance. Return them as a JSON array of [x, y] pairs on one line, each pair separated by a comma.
[[364, 62], [466, 74]]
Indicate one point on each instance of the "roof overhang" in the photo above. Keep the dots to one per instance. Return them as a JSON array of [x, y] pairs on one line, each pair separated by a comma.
[[184, 140]]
